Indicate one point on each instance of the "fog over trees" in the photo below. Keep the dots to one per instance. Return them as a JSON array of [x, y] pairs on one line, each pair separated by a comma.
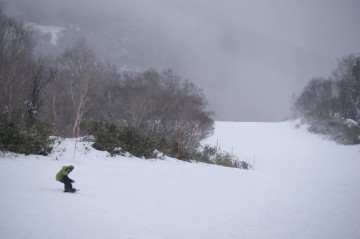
[[239, 52], [76, 67], [58, 95], [332, 106]]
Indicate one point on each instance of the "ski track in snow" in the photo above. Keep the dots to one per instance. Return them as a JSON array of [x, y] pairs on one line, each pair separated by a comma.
[[303, 186]]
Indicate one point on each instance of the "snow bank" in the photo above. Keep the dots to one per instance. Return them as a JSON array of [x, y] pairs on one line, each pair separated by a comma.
[[302, 187]]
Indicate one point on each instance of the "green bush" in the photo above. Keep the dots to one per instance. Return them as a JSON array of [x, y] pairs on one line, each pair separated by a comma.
[[106, 137], [335, 130], [225, 159], [205, 155], [170, 148], [210, 155], [118, 140], [31, 140], [136, 143]]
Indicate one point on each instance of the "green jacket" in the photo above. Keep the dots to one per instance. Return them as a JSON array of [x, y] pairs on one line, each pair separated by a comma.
[[64, 171]]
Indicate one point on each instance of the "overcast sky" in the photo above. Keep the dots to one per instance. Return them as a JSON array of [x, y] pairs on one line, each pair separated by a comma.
[[249, 56]]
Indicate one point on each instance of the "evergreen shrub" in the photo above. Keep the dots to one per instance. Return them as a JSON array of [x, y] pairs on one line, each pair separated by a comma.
[[212, 156], [33, 139], [118, 140]]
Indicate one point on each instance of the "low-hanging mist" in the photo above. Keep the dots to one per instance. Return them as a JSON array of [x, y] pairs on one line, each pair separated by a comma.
[[249, 57]]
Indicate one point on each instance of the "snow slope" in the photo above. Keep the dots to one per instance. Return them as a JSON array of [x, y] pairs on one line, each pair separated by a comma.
[[302, 187]]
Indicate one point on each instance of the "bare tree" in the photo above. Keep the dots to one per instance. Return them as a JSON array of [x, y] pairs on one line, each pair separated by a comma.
[[318, 100], [332, 106], [161, 105], [41, 73], [79, 69], [15, 51], [347, 76]]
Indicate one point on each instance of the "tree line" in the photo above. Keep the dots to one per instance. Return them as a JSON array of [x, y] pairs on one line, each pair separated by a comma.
[[47, 95], [332, 106]]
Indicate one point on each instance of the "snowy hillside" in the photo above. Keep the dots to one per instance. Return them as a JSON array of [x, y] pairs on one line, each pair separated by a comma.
[[302, 187]]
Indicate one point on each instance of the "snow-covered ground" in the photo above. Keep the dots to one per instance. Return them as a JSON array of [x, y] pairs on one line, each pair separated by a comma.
[[302, 187]]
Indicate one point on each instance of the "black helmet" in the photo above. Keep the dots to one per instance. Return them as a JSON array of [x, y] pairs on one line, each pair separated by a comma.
[[71, 168]]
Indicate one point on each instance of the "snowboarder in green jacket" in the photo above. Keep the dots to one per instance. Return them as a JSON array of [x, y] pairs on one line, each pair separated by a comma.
[[62, 176]]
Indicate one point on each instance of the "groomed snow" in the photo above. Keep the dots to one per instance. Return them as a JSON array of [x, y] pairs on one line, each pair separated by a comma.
[[303, 186]]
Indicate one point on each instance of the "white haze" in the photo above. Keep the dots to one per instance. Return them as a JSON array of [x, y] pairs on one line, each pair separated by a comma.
[[248, 56]]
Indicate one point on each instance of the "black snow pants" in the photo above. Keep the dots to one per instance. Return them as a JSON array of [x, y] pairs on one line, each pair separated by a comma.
[[67, 182]]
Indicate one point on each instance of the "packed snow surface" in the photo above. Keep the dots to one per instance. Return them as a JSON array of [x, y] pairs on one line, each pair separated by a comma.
[[302, 186]]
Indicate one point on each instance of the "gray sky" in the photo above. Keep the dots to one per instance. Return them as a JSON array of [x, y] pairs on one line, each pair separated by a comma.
[[249, 56]]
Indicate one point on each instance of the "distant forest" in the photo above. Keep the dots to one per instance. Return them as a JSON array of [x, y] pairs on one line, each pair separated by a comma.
[[75, 92], [332, 106]]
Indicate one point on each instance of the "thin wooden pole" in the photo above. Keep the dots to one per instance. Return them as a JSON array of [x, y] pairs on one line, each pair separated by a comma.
[[254, 163], [178, 144]]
